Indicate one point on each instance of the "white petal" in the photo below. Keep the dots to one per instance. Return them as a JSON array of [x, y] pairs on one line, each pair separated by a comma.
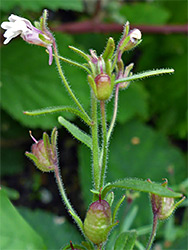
[[6, 25], [20, 25], [10, 37], [13, 18], [11, 33], [136, 34]]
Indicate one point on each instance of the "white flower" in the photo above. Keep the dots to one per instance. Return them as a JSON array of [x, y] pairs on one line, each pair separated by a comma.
[[16, 26], [23, 27]]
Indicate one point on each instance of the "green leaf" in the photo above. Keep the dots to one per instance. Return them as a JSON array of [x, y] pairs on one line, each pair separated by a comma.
[[58, 109], [133, 102], [55, 230], [15, 232], [145, 74], [12, 194], [32, 84], [141, 185], [125, 240], [76, 132], [129, 219], [12, 161], [145, 13], [38, 5], [169, 114]]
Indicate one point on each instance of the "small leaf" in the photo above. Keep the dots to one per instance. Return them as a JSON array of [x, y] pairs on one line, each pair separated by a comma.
[[80, 52], [141, 185], [117, 208], [145, 74], [58, 109], [74, 63], [76, 132], [126, 240]]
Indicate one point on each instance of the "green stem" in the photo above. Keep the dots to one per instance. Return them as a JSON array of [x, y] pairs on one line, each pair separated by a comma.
[[95, 145], [114, 114], [66, 83], [153, 233], [112, 122], [105, 144], [65, 199]]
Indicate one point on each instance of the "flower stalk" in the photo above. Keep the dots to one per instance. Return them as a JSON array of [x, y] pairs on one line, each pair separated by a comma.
[[153, 233], [105, 143], [66, 200], [95, 144], [66, 83]]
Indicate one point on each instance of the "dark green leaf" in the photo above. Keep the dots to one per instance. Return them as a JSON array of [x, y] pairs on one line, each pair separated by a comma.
[[76, 132], [14, 230], [132, 102], [32, 84], [125, 240], [38, 5], [145, 13], [11, 161]]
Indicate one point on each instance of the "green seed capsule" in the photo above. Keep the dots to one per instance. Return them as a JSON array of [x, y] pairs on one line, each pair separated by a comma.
[[103, 85], [98, 220]]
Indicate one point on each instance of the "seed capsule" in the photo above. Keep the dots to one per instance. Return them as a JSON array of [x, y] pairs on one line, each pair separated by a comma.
[[44, 153], [98, 221], [103, 85]]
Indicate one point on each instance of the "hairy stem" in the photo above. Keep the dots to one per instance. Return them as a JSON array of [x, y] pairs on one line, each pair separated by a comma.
[[153, 233], [66, 83], [114, 114], [95, 145], [105, 143], [65, 199]]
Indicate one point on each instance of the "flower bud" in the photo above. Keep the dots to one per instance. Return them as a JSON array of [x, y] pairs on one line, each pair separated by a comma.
[[129, 40], [98, 221], [103, 86], [43, 153]]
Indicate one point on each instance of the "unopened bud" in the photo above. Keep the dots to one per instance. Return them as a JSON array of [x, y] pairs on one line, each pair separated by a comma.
[[129, 40]]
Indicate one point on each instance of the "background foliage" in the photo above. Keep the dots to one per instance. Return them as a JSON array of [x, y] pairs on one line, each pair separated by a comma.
[[149, 139]]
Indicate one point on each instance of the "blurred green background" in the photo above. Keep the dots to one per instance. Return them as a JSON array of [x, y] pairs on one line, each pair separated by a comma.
[[152, 112]]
